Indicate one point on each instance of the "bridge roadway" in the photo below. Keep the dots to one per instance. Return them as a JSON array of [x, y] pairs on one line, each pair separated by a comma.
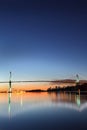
[[51, 81]]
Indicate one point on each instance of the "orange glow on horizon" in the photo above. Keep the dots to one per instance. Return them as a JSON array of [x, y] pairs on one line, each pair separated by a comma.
[[29, 86]]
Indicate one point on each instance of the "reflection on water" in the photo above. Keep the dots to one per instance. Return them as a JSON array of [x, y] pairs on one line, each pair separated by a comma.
[[9, 103], [39, 107], [27, 101]]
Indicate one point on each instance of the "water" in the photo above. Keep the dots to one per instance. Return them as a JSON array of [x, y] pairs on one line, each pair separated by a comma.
[[43, 111]]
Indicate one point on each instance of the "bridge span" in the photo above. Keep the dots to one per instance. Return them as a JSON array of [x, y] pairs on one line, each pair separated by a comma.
[[65, 81]]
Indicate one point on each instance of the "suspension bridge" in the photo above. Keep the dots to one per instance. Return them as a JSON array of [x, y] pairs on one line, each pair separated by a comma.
[[76, 80]]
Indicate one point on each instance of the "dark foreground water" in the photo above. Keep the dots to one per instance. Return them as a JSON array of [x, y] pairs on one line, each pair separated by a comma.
[[43, 111]]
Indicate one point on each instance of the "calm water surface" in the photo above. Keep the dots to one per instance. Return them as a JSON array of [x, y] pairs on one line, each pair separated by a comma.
[[47, 111]]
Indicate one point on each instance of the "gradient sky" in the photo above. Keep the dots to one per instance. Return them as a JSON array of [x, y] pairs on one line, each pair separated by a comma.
[[43, 39]]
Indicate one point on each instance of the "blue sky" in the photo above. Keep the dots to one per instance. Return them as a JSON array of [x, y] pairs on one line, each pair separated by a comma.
[[43, 39]]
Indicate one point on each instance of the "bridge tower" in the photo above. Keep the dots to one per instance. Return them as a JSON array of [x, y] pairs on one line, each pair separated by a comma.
[[77, 79], [77, 83], [10, 76]]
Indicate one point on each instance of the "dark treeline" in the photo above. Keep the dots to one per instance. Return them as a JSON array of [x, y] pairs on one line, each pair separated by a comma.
[[35, 90], [82, 88]]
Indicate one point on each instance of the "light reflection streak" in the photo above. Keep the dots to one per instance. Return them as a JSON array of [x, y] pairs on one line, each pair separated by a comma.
[[9, 104], [21, 101]]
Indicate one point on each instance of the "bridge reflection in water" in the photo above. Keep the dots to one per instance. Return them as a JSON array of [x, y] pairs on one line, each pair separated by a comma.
[[20, 102]]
